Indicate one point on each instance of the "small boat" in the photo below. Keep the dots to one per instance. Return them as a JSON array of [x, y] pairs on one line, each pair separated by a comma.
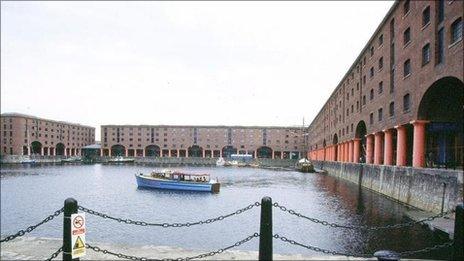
[[172, 180], [28, 161], [120, 159], [220, 162], [305, 166]]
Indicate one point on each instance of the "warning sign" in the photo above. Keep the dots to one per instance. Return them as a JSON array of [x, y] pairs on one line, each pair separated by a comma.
[[78, 235]]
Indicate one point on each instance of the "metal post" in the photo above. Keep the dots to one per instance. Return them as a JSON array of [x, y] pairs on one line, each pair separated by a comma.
[[458, 244], [70, 207], [443, 198], [265, 233]]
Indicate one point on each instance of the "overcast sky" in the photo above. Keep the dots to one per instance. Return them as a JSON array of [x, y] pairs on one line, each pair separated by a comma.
[[196, 63]]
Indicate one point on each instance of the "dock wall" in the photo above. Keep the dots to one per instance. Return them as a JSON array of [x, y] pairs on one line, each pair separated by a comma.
[[418, 187]]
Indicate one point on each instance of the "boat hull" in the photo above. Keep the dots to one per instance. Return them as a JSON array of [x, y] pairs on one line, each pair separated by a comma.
[[147, 182]]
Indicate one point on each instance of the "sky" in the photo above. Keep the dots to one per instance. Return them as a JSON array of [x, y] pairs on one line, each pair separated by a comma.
[[179, 63]]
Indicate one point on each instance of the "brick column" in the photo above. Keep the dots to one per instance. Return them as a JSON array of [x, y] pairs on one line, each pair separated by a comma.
[[378, 148], [350, 151], [273, 155], [369, 148], [127, 152], [388, 147], [101, 152], [356, 150], [143, 153], [418, 147], [338, 152], [347, 153], [401, 146]]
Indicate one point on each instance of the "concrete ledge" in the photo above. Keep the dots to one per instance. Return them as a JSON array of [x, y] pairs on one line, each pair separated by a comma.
[[422, 188]]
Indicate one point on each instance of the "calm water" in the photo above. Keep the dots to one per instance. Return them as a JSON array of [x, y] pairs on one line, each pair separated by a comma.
[[28, 194]]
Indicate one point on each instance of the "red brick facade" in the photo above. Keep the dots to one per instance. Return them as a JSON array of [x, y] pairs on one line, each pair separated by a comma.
[[393, 83]]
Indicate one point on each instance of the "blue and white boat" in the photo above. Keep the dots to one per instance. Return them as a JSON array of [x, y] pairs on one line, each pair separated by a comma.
[[173, 180]]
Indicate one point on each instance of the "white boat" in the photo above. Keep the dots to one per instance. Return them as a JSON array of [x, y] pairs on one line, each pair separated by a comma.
[[28, 161], [305, 166], [121, 159], [220, 162]]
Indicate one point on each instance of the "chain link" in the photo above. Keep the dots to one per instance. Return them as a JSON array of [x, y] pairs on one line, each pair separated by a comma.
[[335, 225], [212, 253], [165, 225], [22, 232], [54, 255], [318, 249]]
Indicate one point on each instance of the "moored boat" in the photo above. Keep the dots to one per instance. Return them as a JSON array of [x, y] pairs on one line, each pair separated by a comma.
[[305, 166], [220, 162], [28, 161], [120, 159], [173, 180]]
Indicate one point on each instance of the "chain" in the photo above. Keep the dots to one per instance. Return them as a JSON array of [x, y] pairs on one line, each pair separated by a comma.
[[317, 249], [165, 225], [54, 255], [212, 253], [22, 232], [425, 250], [335, 225]]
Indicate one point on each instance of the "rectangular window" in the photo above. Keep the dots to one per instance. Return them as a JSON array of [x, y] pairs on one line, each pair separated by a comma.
[[426, 16], [407, 36], [406, 7], [364, 100], [380, 39], [371, 118], [391, 111], [380, 87], [440, 46], [371, 96], [380, 114], [380, 63], [407, 68], [425, 54], [456, 30], [371, 72], [406, 102], [372, 51]]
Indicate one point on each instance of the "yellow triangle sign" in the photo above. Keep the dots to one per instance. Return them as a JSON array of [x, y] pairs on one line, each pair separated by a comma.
[[79, 244]]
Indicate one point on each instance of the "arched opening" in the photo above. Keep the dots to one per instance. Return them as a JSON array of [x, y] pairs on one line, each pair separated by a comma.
[[324, 152], [59, 149], [25, 150], [264, 152], [152, 151], [118, 150], [360, 133], [195, 151], [228, 150], [335, 142], [443, 106], [36, 147]]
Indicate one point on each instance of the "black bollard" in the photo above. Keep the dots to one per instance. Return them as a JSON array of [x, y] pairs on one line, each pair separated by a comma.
[[70, 207], [458, 244], [265, 232], [387, 255]]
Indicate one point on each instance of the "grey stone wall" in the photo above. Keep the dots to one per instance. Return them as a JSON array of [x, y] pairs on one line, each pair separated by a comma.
[[418, 187]]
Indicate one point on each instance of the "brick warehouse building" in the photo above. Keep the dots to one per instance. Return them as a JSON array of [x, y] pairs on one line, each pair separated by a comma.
[[202, 141], [402, 101], [29, 135]]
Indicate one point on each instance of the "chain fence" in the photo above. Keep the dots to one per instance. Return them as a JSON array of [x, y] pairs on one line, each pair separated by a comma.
[[22, 232], [336, 253], [208, 254], [166, 225], [362, 227]]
